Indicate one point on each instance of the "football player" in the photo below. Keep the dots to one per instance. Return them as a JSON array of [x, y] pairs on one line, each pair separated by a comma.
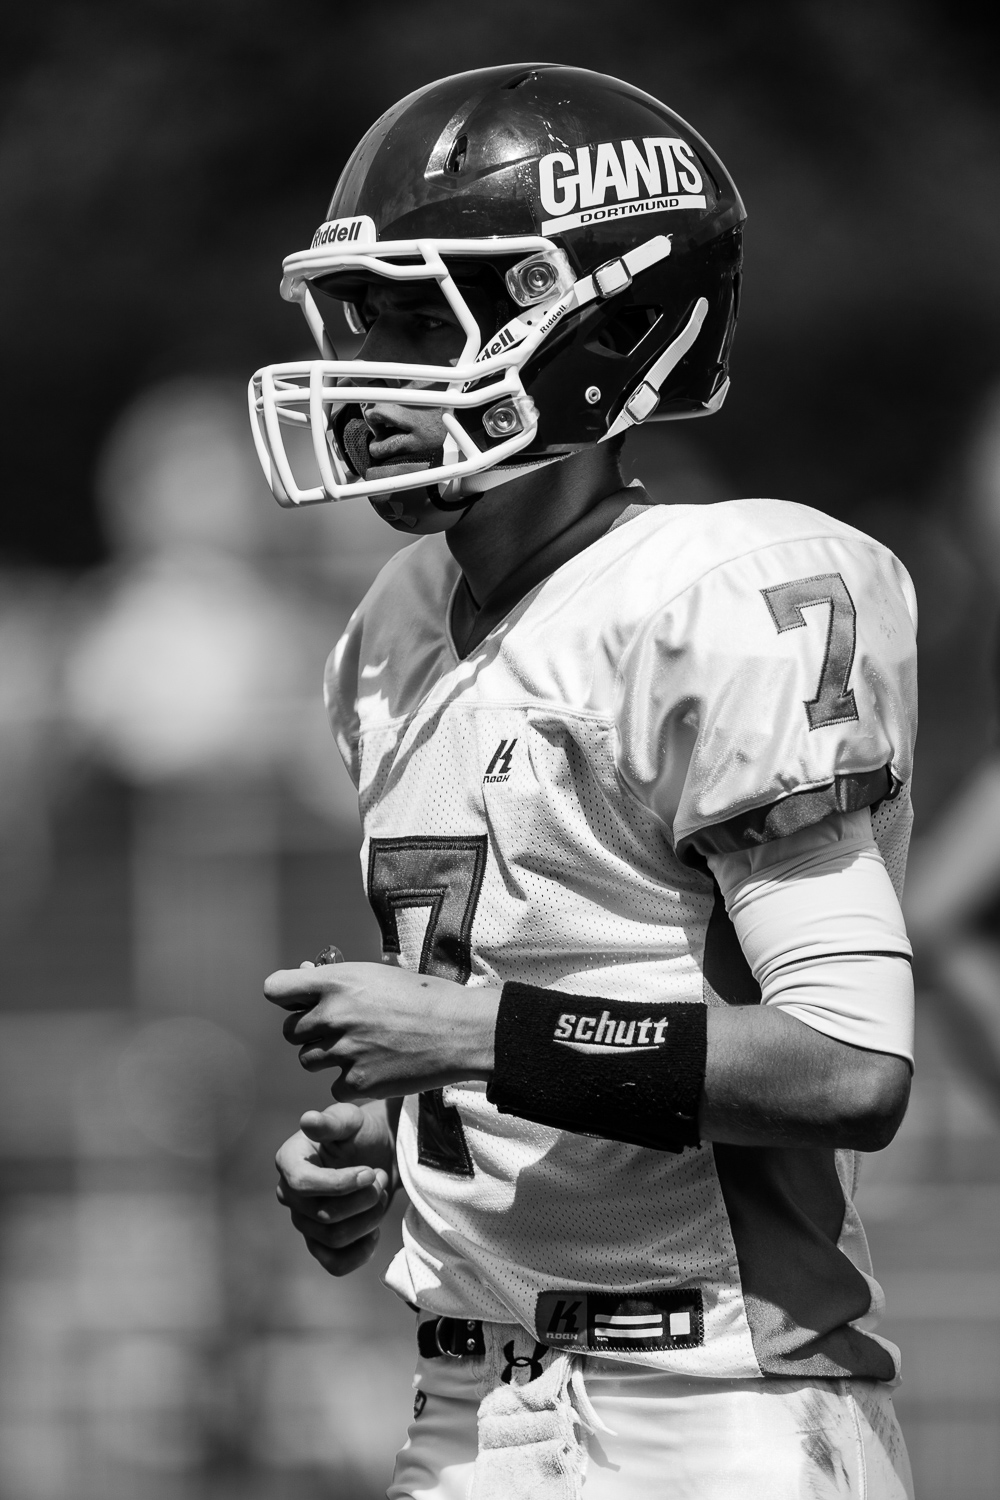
[[634, 789]]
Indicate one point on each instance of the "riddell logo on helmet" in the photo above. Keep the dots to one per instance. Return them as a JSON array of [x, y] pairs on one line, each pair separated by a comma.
[[605, 1034], [504, 340], [617, 179], [359, 231]]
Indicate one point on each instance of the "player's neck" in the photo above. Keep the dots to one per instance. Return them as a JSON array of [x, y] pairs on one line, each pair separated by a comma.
[[513, 522]]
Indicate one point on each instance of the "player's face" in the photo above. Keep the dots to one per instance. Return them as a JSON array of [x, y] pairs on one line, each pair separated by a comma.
[[414, 324]]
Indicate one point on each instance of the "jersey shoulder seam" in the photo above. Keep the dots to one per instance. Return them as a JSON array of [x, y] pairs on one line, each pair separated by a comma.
[[513, 704], [869, 543]]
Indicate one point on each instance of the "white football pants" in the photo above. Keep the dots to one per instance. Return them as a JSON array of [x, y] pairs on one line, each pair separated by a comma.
[[672, 1438]]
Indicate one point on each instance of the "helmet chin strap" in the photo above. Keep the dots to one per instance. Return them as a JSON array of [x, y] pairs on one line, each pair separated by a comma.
[[491, 479]]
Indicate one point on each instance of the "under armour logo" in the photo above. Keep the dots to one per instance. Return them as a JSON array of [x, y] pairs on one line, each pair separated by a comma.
[[530, 1362], [499, 767], [419, 1402]]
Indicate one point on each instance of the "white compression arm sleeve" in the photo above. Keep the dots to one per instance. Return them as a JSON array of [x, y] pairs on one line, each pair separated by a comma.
[[821, 928]]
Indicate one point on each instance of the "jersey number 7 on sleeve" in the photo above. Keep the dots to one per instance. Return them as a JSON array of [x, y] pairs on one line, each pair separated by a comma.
[[444, 877], [834, 700]]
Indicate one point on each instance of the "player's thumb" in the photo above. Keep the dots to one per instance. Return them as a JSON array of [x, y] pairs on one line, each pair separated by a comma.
[[340, 1122]]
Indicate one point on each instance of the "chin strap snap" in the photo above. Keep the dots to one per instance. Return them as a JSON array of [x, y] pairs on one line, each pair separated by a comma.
[[617, 275]]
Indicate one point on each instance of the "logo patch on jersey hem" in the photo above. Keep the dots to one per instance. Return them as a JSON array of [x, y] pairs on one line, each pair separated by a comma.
[[614, 1320]]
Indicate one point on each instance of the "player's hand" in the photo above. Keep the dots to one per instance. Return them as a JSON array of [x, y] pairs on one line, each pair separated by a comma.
[[335, 1177], [390, 1031]]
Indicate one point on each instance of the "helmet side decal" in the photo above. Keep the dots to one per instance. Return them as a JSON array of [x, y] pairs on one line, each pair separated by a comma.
[[616, 179], [357, 231]]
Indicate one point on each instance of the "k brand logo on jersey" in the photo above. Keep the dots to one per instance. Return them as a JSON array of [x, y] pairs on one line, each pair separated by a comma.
[[499, 767], [613, 1320], [617, 179], [606, 1034]]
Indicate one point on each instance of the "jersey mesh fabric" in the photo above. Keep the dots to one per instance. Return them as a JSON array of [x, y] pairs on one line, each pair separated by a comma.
[[545, 744], [891, 825]]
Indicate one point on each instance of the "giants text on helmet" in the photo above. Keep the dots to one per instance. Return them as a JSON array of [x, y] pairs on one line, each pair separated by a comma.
[[666, 166]]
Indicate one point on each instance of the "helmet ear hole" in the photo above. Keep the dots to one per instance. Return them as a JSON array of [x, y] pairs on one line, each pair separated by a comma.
[[619, 335]]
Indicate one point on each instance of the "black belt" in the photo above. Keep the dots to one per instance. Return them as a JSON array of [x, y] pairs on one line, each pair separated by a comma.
[[458, 1338]]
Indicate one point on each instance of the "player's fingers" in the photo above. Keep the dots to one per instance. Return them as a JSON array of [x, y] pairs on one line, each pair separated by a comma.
[[332, 1210], [291, 988], [343, 1262], [338, 1236], [297, 1025], [333, 1125], [316, 1057], [311, 1026], [318, 1181], [344, 1089]]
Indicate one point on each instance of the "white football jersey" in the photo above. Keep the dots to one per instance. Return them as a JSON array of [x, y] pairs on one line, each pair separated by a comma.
[[698, 679]]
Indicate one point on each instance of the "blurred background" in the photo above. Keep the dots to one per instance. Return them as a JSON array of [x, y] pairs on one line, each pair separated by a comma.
[[173, 819]]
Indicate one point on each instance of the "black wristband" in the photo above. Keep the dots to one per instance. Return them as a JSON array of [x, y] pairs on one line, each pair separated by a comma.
[[621, 1071]]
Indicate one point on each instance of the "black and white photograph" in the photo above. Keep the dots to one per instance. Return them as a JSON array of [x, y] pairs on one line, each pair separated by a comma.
[[498, 1001]]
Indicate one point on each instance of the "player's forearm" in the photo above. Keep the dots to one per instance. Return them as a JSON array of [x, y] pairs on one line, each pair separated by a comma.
[[770, 1080], [663, 1075], [686, 1073]]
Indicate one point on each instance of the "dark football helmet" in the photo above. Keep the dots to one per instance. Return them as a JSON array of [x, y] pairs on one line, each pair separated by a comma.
[[608, 231]]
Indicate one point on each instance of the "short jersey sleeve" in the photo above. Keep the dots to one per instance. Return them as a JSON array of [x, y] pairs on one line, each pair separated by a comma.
[[777, 688]]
